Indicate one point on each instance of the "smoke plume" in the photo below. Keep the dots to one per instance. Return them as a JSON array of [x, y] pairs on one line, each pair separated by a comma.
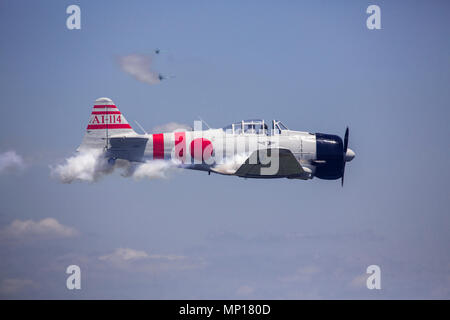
[[230, 164], [153, 169], [91, 165], [10, 161], [139, 67]]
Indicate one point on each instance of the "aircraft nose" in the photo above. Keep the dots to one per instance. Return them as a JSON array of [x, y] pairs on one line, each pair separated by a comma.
[[349, 155]]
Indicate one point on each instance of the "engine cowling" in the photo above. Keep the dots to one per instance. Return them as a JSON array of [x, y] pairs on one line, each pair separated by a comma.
[[329, 156]]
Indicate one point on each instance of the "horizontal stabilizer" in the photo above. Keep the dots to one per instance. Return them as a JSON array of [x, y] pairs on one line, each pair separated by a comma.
[[127, 148]]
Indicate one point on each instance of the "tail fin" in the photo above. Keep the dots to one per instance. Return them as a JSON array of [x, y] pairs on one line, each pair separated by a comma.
[[106, 121]]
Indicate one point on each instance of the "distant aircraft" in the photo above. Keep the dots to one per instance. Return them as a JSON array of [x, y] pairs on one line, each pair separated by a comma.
[[158, 51], [247, 148], [162, 77]]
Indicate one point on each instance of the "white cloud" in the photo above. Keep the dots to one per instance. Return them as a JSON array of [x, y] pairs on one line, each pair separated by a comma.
[[48, 227], [124, 254], [302, 274], [10, 161], [139, 67], [359, 281], [245, 291], [13, 286], [171, 127], [129, 255], [169, 257], [140, 261]]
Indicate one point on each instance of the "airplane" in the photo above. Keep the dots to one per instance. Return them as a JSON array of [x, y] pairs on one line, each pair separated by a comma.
[[162, 77], [247, 149], [158, 51]]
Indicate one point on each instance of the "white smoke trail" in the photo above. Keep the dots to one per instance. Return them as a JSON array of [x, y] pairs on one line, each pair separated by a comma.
[[153, 169], [87, 165], [90, 165], [139, 67], [230, 164], [10, 161]]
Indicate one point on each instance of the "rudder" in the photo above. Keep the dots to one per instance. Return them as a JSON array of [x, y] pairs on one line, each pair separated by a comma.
[[106, 121]]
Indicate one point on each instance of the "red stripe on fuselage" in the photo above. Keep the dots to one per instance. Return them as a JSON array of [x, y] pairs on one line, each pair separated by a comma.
[[158, 146], [180, 145], [109, 126]]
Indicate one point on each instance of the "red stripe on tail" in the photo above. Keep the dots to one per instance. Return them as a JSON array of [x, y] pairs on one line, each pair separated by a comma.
[[106, 112], [109, 126], [104, 106]]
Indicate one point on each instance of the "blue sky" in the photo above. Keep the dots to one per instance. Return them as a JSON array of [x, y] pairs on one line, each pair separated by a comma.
[[312, 64]]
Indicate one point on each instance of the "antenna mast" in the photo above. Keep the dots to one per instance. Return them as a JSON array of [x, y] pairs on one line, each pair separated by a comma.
[[204, 122], [106, 145]]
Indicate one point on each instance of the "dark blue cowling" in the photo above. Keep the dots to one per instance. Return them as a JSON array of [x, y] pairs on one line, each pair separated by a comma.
[[329, 148]]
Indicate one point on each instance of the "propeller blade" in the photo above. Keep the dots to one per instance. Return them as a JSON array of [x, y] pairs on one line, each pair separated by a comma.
[[346, 141], [343, 155]]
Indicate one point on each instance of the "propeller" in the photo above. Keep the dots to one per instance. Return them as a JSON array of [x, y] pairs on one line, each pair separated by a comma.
[[344, 155]]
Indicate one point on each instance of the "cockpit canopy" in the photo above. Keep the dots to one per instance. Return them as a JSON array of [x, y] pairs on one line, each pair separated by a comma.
[[255, 126]]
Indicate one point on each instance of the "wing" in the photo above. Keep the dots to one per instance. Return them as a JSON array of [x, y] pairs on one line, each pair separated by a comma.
[[264, 164]]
